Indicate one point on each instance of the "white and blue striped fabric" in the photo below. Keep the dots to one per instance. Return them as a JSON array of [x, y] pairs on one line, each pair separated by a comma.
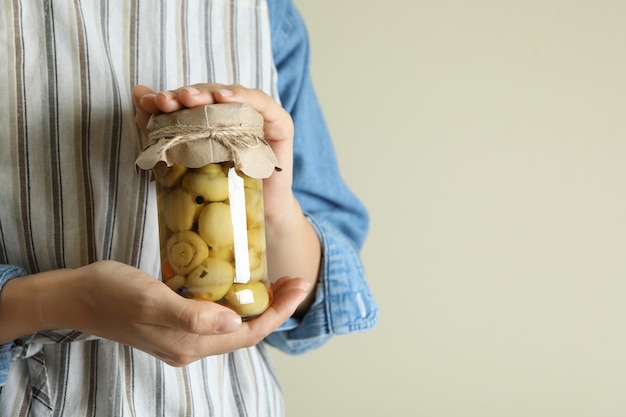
[[71, 195]]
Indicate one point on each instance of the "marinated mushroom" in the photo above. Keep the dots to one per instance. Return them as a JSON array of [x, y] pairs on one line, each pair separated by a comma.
[[179, 210], [249, 299], [185, 251], [215, 225], [211, 280]]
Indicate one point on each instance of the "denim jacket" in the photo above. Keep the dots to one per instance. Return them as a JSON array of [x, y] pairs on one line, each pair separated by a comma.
[[344, 302]]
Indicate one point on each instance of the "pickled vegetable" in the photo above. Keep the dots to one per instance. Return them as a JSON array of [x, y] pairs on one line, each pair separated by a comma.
[[198, 237]]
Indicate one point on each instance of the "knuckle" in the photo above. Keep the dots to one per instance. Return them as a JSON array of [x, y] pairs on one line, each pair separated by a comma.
[[192, 320], [253, 340], [178, 360]]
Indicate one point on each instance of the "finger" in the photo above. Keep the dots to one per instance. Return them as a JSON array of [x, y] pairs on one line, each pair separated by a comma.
[[148, 105], [281, 282], [167, 102], [143, 99], [197, 95], [185, 97], [286, 300], [138, 92], [278, 123]]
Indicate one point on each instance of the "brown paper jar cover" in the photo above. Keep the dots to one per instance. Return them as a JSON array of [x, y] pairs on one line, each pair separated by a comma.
[[210, 134]]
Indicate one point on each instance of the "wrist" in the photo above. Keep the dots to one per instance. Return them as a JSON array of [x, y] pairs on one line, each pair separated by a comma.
[[287, 222], [33, 303], [293, 248]]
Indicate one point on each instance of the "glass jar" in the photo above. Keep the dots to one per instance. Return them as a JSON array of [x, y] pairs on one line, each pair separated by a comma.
[[211, 215]]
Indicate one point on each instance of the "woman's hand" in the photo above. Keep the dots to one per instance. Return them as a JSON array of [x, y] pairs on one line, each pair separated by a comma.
[[121, 303], [293, 247]]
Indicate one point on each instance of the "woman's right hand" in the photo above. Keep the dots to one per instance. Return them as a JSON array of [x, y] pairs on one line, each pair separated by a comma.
[[121, 303]]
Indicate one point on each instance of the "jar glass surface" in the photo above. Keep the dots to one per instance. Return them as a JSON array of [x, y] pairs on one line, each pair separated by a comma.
[[212, 235]]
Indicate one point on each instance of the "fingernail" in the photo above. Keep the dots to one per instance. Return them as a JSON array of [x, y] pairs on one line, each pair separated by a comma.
[[167, 94], [149, 96], [225, 92], [192, 90], [227, 322]]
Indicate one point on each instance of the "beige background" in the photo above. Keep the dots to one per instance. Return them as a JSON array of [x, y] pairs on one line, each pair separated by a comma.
[[488, 139]]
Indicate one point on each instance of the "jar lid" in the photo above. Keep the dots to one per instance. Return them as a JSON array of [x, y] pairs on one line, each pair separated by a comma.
[[210, 134]]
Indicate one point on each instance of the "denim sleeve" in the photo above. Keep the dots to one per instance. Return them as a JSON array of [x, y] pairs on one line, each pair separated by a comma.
[[344, 302], [7, 272]]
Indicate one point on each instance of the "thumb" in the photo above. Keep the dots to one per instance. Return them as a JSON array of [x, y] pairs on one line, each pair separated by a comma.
[[202, 317]]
